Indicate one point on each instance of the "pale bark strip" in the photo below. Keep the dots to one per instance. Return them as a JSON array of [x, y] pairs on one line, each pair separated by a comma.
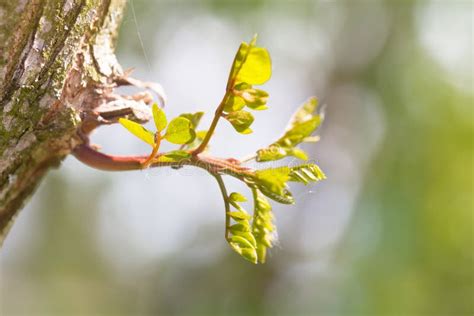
[[53, 53]]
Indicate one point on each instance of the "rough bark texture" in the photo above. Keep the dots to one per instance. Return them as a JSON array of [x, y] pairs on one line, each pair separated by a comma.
[[56, 57]]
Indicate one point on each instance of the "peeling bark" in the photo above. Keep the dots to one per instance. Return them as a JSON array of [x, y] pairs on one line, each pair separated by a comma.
[[57, 65]]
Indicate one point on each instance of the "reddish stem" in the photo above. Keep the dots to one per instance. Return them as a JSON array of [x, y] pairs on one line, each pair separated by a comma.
[[95, 159]]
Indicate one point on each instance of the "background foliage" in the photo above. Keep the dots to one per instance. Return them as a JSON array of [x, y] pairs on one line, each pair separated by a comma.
[[389, 233]]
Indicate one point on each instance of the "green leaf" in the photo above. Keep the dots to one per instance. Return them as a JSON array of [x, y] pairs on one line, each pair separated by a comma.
[[241, 121], [274, 179], [303, 123], [159, 117], [175, 156], [306, 173], [251, 65], [239, 228], [234, 103], [262, 226], [254, 98], [250, 254], [200, 135], [179, 131], [257, 67], [139, 131], [272, 183], [305, 112], [194, 118], [241, 246], [272, 153], [298, 153], [242, 242], [237, 197], [239, 216]]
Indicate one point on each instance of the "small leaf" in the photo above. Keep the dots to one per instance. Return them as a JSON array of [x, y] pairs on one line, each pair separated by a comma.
[[247, 253], [234, 103], [257, 67], [159, 117], [303, 123], [241, 121], [247, 236], [237, 197], [262, 226], [239, 228], [242, 242], [272, 183], [298, 153], [271, 153], [179, 131], [306, 173], [251, 65], [239, 216], [139, 131], [174, 156], [200, 135], [250, 254], [254, 98], [274, 179], [194, 118]]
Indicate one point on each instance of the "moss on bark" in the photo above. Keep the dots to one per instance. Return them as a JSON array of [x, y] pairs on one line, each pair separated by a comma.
[[50, 54]]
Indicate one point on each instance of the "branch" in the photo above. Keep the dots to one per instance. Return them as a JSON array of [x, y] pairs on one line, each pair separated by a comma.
[[105, 162], [225, 196]]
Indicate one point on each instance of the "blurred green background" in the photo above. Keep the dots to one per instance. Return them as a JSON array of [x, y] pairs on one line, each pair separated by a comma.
[[389, 233]]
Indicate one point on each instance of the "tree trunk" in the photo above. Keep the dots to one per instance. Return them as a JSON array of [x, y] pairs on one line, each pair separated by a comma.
[[56, 60]]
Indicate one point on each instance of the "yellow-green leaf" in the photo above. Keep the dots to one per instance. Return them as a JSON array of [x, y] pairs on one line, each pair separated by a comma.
[[237, 197], [241, 121], [239, 216], [234, 103], [139, 131], [257, 67], [174, 156], [195, 118], [302, 125], [242, 242], [272, 183], [306, 173], [179, 131], [159, 117], [239, 228]]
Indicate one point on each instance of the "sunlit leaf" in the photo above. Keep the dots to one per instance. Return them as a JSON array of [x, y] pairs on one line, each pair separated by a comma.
[[241, 121], [272, 183], [262, 226], [179, 131], [234, 103], [251, 65], [255, 99], [139, 131], [257, 67], [199, 137], [240, 215], [244, 248], [237, 197], [303, 123], [159, 117], [237, 228], [194, 118], [306, 173], [174, 156], [242, 242]]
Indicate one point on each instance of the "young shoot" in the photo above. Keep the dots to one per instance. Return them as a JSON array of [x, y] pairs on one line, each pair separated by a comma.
[[250, 234]]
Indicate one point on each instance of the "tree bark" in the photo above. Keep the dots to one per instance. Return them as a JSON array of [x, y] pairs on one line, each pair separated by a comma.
[[56, 62]]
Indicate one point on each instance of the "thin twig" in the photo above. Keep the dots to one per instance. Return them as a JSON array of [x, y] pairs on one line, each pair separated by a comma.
[[225, 196]]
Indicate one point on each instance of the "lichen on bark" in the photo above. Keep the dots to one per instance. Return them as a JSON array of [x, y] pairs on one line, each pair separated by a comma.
[[53, 53]]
